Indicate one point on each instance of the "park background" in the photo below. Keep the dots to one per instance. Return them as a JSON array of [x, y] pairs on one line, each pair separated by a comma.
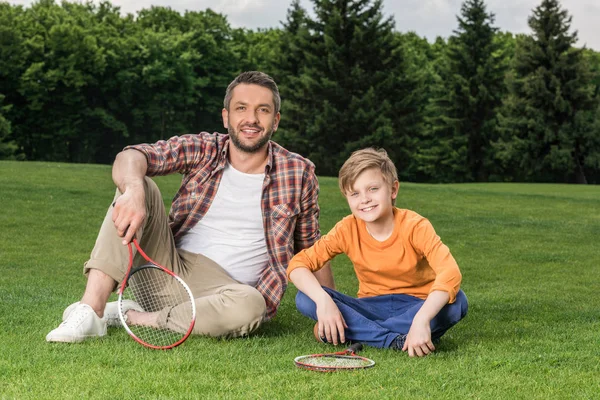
[[481, 111], [79, 81]]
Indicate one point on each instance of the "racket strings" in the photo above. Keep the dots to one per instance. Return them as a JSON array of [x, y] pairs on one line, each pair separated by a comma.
[[148, 286], [164, 295], [334, 362]]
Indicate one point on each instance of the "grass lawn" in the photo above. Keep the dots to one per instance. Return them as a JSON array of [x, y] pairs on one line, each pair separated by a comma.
[[528, 253]]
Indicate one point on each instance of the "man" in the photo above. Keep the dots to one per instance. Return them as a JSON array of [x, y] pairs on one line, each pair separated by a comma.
[[245, 206]]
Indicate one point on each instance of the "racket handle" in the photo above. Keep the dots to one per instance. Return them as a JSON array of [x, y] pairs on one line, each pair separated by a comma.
[[355, 348]]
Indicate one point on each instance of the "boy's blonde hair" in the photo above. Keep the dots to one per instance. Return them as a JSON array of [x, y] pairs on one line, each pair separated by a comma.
[[362, 160]]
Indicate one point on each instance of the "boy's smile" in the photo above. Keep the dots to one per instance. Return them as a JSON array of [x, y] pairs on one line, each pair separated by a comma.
[[371, 199]]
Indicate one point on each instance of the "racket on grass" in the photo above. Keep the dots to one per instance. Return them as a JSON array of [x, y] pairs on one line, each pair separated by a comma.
[[158, 291], [329, 362]]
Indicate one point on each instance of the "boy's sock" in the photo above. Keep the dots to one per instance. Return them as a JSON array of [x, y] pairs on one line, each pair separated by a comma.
[[398, 342]]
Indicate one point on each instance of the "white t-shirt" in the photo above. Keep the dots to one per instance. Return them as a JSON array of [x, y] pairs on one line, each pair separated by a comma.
[[231, 233]]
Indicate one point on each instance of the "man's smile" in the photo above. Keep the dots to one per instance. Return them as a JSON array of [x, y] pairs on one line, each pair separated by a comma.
[[248, 130]]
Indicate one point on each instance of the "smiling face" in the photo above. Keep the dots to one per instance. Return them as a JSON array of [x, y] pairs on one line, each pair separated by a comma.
[[371, 197], [251, 118]]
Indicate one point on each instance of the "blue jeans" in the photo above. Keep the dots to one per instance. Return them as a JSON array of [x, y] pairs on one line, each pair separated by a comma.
[[377, 321]]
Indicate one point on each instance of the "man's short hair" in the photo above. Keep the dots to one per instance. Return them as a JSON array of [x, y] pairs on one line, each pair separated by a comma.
[[254, 78], [362, 160]]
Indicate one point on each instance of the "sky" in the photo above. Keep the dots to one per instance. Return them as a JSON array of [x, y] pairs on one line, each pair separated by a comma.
[[427, 18]]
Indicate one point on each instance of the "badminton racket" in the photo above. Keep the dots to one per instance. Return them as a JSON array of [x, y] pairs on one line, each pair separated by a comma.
[[329, 362], [161, 294]]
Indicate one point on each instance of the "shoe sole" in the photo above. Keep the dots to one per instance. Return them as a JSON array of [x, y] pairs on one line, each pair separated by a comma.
[[72, 339]]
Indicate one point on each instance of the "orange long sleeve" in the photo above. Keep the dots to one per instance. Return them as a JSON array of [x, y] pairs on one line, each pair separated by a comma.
[[413, 260]]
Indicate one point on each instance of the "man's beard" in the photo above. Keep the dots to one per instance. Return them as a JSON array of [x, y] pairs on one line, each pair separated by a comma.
[[235, 139]]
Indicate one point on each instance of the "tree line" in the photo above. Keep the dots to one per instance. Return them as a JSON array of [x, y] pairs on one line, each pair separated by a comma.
[[79, 81]]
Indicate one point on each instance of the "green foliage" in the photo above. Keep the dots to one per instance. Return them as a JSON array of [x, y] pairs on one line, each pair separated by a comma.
[[256, 50], [63, 61], [348, 83], [292, 50], [7, 147], [467, 90], [84, 81], [80, 81], [528, 268], [549, 120]]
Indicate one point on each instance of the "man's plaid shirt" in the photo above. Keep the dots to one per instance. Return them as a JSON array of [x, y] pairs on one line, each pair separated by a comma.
[[289, 201]]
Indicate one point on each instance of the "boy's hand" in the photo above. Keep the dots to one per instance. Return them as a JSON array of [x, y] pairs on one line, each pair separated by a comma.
[[418, 341], [330, 320]]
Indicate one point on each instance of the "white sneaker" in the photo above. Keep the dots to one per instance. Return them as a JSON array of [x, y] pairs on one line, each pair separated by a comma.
[[111, 311], [80, 324]]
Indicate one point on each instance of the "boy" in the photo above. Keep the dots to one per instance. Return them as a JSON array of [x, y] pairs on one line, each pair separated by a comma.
[[409, 284]]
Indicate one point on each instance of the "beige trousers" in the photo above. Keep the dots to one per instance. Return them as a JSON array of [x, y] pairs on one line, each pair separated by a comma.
[[224, 307]]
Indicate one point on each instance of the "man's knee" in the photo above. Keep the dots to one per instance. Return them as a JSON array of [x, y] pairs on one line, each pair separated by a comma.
[[244, 312], [152, 190], [254, 305]]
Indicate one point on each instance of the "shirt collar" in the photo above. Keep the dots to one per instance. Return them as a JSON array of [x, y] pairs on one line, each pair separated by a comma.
[[270, 156]]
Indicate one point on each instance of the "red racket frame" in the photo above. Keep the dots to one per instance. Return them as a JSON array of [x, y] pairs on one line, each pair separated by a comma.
[[124, 285], [350, 352]]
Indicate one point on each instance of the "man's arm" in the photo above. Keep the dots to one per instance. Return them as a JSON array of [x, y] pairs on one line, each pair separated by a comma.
[[129, 210], [307, 228]]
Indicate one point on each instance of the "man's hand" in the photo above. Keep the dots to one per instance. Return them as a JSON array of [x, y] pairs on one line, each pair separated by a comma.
[[330, 320], [418, 341], [129, 212]]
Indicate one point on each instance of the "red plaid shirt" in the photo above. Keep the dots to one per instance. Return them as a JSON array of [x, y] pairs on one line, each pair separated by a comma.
[[289, 199]]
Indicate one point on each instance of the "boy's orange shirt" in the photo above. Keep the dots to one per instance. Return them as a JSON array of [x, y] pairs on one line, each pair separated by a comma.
[[413, 260]]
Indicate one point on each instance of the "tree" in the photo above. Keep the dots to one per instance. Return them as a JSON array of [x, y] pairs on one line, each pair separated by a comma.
[[82, 81], [256, 50], [347, 88], [418, 70], [218, 66], [467, 92], [7, 147], [291, 58], [591, 166], [548, 118], [56, 87], [12, 63]]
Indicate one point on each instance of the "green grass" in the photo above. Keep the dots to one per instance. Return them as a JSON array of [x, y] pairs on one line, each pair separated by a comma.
[[528, 253]]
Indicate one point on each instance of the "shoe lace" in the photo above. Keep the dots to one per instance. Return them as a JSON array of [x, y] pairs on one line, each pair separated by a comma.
[[76, 318]]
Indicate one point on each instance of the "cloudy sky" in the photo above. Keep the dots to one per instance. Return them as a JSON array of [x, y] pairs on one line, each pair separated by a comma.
[[429, 18]]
